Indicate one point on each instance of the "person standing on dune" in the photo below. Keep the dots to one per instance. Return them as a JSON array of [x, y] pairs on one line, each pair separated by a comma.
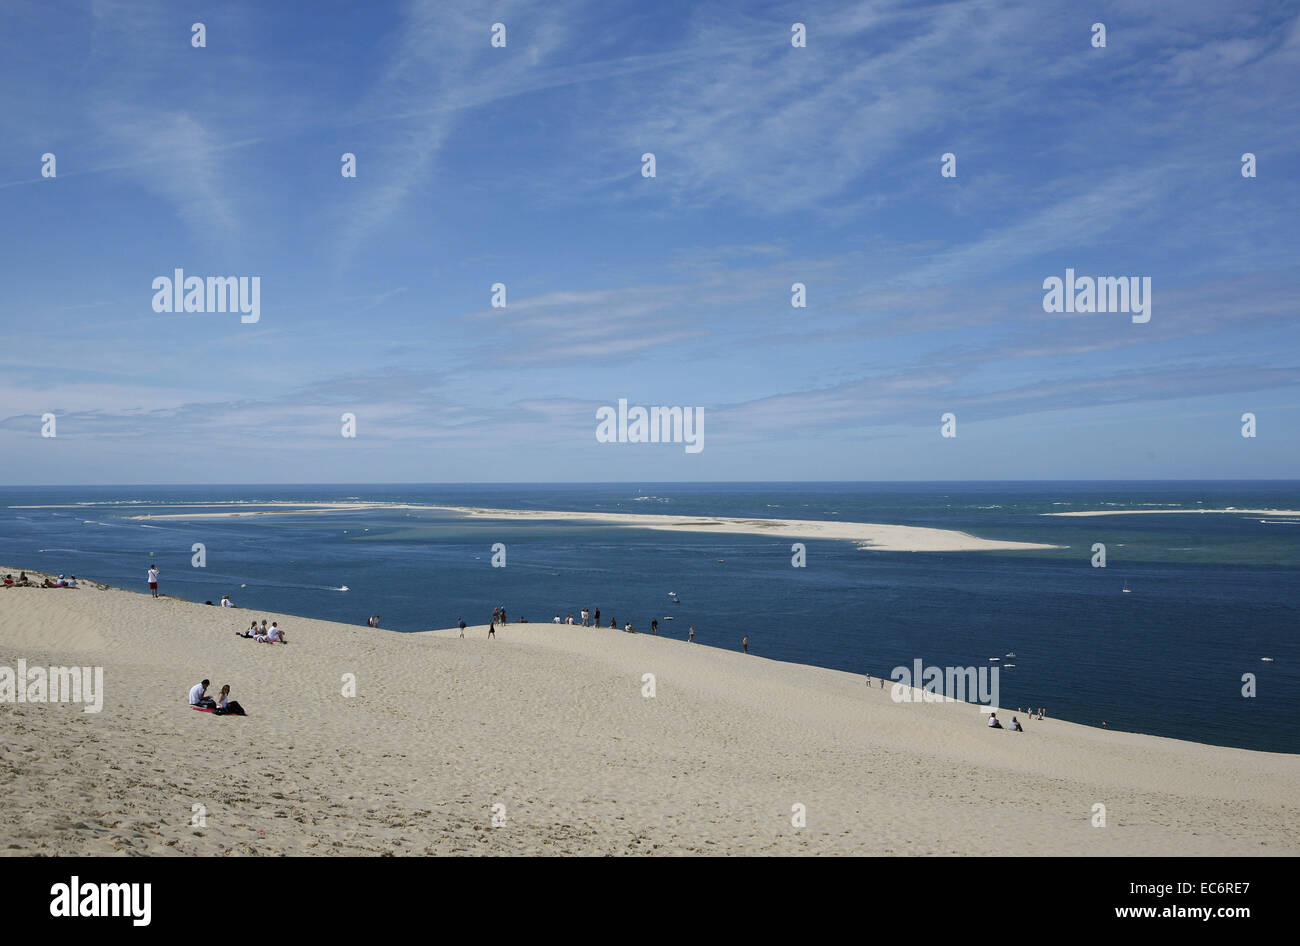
[[153, 580]]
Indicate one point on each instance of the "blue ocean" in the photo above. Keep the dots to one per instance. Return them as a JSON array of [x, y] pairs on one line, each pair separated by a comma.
[[1208, 595]]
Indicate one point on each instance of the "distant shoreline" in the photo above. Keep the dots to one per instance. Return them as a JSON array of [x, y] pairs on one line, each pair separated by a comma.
[[1148, 512]]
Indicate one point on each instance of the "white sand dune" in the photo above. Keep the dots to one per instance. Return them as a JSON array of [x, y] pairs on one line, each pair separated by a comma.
[[550, 722]]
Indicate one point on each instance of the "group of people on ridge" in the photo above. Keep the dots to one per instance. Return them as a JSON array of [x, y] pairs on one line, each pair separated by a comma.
[[266, 635]]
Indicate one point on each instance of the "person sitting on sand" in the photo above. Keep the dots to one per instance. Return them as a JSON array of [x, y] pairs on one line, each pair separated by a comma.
[[199, 697], [276, 635], [9, 581], [226, 706], [252, 630], [613, 624], [993, 721], [49, 583], [556, 620], [1015, 725], [226, 602], [72, 581], [23, 579]]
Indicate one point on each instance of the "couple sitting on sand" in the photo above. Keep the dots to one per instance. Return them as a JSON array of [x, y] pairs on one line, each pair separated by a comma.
[[994, 724], [271, 635], [223, 706]]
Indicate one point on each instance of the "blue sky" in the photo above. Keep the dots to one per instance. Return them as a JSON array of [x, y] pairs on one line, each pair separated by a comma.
[[522, 165]]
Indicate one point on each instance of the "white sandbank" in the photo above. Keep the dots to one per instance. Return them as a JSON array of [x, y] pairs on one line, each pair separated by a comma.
[[869, 535]]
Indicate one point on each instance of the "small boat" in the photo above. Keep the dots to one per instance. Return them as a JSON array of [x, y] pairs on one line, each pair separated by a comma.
[[1127, 589], [1009, 655], [1008, 666], [669, 617], [1267, 660], [994, 659]]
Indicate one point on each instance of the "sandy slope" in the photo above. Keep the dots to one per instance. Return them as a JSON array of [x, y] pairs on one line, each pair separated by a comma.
[[550, 722]]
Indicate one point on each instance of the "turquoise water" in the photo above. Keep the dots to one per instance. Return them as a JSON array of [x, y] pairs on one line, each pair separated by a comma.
[[1209, 595]]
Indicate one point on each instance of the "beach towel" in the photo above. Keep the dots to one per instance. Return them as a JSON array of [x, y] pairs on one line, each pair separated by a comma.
[[204, 709]]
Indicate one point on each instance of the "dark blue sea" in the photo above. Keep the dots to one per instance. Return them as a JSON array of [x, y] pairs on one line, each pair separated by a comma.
[[1209, 595]]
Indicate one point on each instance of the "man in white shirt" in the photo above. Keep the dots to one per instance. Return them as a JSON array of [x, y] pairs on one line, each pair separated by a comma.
[[556, 619], [586, 616], [197, 697], [226, 602], [153, 580]]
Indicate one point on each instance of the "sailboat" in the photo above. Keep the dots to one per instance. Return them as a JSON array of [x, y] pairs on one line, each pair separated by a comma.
[[1127, 589]]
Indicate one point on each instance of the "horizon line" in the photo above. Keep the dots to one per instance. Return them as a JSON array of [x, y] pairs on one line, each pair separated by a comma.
[[644, 482]]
